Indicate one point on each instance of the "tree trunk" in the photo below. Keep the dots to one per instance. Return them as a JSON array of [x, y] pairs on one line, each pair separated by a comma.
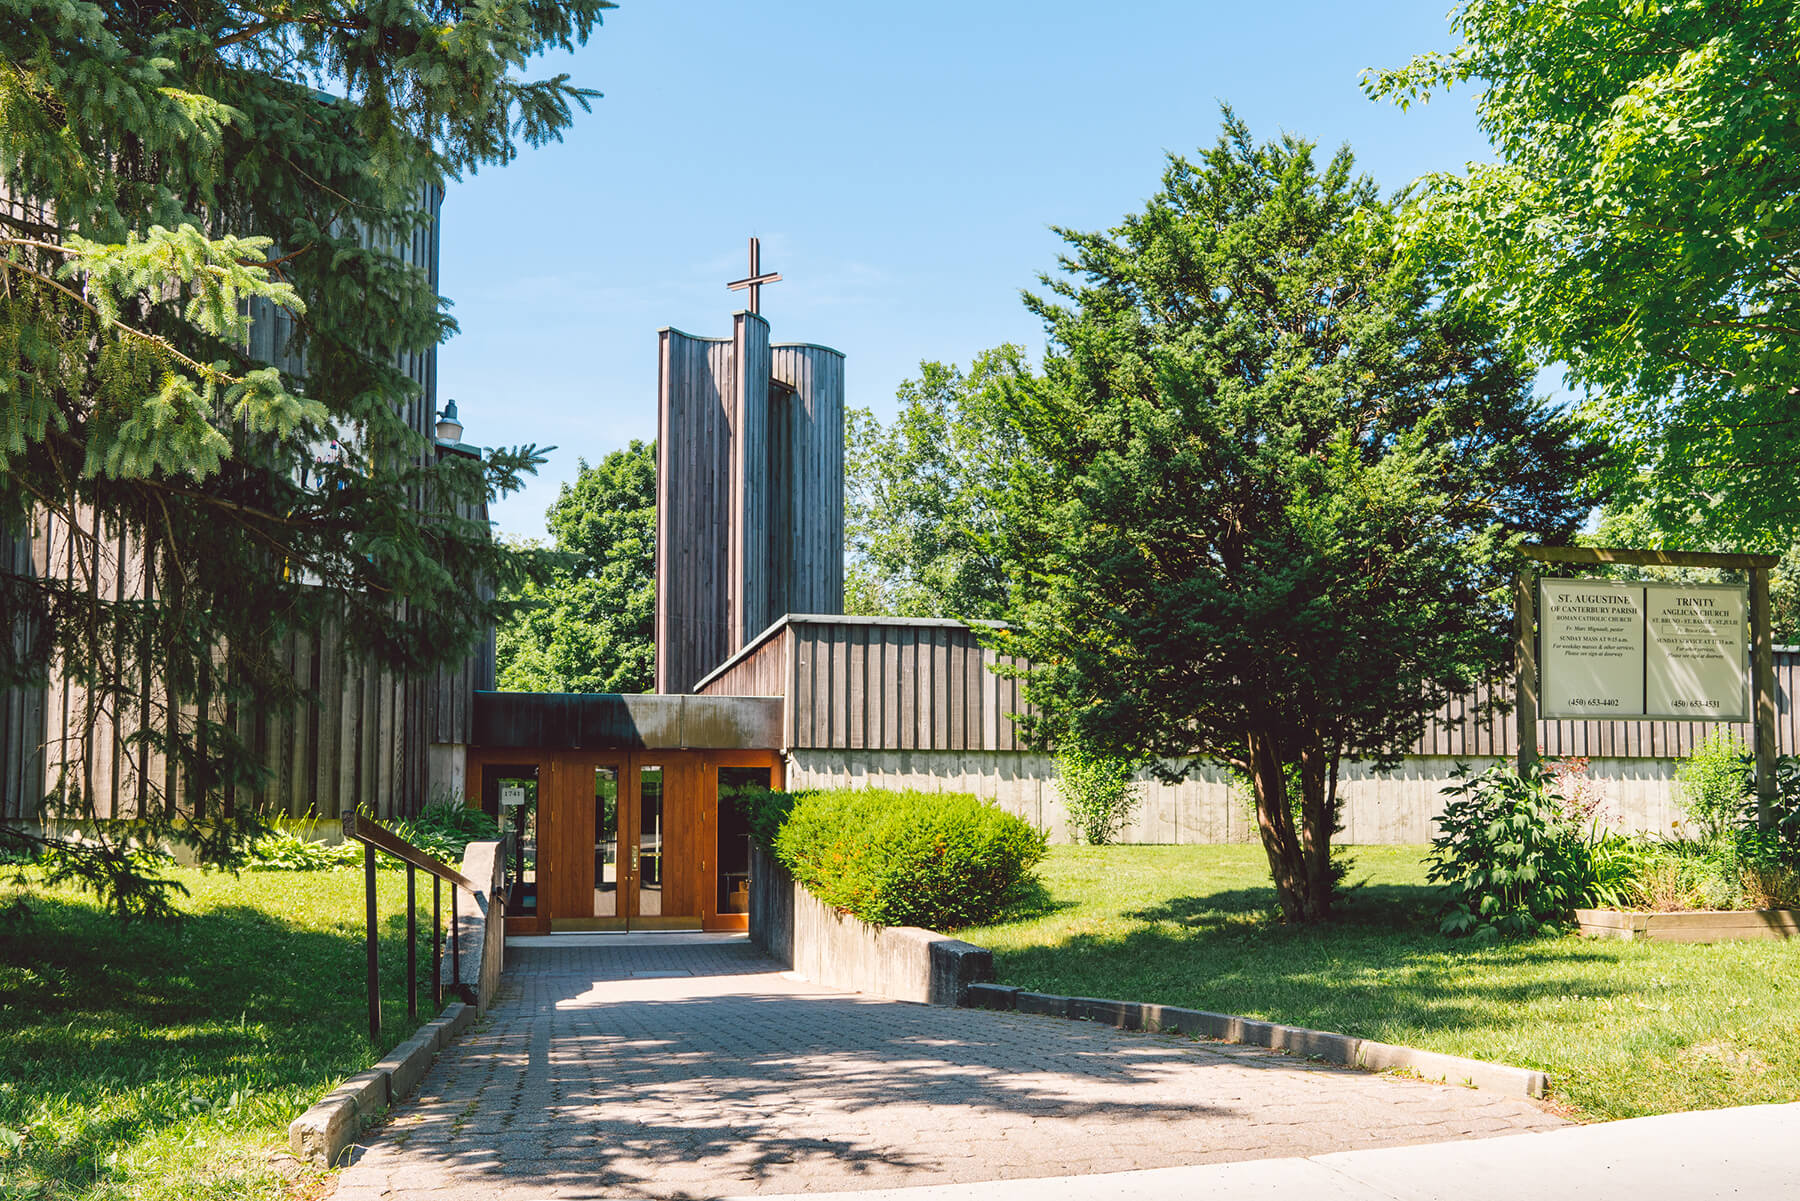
[[1299, 859]]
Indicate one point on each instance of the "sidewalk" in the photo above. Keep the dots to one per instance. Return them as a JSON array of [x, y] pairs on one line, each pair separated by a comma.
[[1749, 1152], [665, 1068]]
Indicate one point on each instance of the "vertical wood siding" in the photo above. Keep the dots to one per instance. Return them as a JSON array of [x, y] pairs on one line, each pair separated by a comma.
[[858, 684], [863, 684], [693, 465], [752, 427], [750, 493], [810, 575]]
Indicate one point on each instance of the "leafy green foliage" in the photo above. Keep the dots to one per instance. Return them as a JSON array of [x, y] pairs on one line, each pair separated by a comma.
[[1637, 228], [177, 182], [1099, 791], [1714, 783], [293, 851], [445, 829], [921, 515], [587, 622], [1514, 864], [763, 810], [939, 860], [1272, 484]]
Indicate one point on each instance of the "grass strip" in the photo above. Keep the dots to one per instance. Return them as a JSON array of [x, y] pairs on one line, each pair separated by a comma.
[[1623, 1029], [157, 1061]]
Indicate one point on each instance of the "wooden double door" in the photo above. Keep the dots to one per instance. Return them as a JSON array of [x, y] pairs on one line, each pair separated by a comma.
[[625, 840]]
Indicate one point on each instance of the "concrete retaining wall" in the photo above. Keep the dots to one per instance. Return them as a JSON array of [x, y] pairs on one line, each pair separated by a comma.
[[905, 963], [1401, 806], [480, 931]]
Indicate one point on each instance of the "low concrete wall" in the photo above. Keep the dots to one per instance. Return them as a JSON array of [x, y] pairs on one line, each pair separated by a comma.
[[1401, 806], [1295, 1040], [480, 930], [325, 1131], [905, 963]]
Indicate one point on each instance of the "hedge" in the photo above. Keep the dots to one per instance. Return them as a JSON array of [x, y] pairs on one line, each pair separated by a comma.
[[934, 859]]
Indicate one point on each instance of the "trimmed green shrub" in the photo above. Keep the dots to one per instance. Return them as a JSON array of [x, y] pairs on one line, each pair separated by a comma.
[[1514, 862], [1098, 790], [763, 811], [939, 860]]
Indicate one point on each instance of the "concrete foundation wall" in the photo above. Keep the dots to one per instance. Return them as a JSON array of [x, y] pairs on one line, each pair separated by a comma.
[[906, 963], [1379, 807]]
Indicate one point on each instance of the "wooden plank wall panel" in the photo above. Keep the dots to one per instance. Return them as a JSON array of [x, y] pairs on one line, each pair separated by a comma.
[[761, 673], [693, 509], [751, 601], [814, 437]]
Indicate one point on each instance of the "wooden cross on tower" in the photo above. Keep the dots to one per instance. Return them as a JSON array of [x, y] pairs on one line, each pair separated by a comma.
[[755, 280]]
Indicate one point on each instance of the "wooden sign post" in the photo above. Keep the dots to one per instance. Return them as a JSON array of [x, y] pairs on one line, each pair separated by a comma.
[[1762, 650]]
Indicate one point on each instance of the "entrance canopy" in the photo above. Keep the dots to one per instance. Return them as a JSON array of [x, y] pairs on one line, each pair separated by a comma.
[[628, 722], [628, 808]]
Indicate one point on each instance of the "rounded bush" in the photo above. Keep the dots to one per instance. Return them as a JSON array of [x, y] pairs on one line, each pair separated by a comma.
[[933, 859]]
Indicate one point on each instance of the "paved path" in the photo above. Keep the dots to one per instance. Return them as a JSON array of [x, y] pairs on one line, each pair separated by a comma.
[[702, 1071]]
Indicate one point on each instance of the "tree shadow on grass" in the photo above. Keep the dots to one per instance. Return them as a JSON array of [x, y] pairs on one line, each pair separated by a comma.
[[128, 1032], [1393, 906]]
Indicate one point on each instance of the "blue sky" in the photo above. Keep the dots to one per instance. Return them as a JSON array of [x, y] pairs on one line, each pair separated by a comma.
[[902, 166]]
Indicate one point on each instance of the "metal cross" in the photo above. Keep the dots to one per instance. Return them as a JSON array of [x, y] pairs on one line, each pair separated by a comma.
[[754, 281]]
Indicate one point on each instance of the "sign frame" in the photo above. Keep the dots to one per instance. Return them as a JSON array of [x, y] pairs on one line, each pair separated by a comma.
[[1762, 645]]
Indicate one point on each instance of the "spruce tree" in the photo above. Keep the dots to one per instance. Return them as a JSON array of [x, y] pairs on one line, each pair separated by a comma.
[[174, 173]]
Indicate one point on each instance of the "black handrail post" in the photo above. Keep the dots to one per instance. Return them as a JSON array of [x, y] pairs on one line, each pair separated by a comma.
[[437, 946], [374, 977], [412, 946]]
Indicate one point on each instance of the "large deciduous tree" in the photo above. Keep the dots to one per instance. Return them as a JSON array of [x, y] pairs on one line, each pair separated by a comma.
[[171, 170], [922, 519], [1640, 227], [588, 622], [1272, 488]]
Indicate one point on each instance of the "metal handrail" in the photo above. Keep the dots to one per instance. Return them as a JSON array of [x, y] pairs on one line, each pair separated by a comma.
[[376, 837]]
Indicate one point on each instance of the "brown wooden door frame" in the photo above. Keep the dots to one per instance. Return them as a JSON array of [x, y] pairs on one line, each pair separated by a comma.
[[565, 806], [478, 761], [711, 762]]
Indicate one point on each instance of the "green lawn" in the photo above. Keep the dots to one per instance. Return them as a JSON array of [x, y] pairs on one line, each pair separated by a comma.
[[1623, 1029], [164, 1061]]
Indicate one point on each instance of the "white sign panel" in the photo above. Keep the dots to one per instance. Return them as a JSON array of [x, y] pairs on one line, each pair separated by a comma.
[[512, 796], [1695, 662], [1592, 649]]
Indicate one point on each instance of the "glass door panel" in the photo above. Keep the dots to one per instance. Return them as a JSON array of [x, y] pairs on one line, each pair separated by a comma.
[[739, 788], [606, 842], [509, 793], [647, 857]]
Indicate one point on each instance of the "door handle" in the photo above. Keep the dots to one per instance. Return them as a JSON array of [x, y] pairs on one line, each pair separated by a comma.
[[634, 859]]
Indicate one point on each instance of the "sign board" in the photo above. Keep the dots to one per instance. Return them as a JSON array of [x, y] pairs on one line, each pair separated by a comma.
[[1664, 651], [1695, 665], [1592, 639], [512, 796]]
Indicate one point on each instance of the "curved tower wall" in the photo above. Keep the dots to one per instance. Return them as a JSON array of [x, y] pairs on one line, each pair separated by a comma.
[[750, 492]]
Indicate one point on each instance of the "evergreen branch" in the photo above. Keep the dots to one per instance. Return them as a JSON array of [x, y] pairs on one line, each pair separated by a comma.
[[160, 344]]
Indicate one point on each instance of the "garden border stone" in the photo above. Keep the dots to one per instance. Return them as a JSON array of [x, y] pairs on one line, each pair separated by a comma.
[[1296, 1040], [323, 1133]]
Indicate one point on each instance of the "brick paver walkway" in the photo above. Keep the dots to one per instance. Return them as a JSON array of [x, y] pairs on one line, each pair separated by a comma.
[[702, 1071]]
